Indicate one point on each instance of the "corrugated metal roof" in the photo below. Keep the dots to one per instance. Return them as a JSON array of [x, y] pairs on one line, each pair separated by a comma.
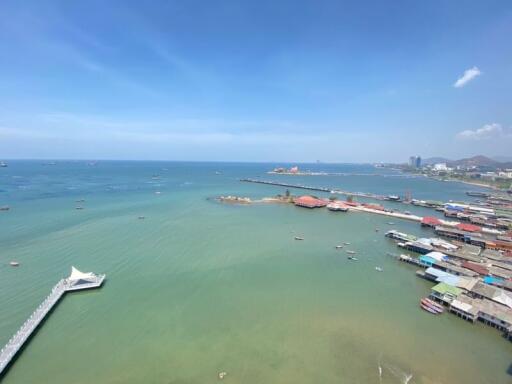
[[444, 288]]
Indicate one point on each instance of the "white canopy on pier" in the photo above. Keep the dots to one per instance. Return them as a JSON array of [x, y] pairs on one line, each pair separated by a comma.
[[77, 275]]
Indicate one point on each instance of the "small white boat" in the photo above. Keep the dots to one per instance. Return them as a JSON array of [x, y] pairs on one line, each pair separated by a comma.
[[379, 269], [351, 252], [298, 238], [391, 223], [79, 207], [14, 264], [157, 192], [352, 258], [346, 243], [376, 229], [338, 246]]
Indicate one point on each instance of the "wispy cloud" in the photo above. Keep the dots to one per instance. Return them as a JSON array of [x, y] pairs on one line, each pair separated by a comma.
[[488, 131], [469, 74]]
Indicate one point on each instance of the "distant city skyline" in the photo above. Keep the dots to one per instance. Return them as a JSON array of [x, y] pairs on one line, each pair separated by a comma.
[[333, 81]]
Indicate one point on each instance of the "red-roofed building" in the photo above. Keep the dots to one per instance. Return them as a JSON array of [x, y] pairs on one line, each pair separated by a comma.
[[431, 222], [468, 227], [309, 202], [480, 269]]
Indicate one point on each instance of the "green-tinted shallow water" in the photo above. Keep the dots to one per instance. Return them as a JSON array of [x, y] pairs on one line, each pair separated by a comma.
[[200, 287]]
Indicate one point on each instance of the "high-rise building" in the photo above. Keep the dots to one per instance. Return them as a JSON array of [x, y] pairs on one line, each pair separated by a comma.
[[415, 161]]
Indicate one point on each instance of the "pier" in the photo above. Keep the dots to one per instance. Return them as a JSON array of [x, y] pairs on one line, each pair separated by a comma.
[[76, 281], [279, 184]]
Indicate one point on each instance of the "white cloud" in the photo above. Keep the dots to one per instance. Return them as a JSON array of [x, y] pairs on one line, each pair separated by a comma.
[[469, 74], [488, 131]]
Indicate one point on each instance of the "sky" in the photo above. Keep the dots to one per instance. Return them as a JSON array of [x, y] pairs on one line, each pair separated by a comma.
[[296, 81]]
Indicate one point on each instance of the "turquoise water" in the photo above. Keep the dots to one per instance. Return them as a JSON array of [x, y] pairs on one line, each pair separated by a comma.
[[200, 287]]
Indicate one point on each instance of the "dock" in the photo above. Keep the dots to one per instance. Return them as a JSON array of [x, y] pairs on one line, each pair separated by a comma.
[[76, 281], [287, 185]]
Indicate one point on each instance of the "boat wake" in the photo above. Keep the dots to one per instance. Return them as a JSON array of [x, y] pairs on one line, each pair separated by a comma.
[[397, 373]]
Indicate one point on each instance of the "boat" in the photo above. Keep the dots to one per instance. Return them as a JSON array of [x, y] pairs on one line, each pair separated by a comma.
[[346, 243], [338, 246], [141, 217], [379, 269], [376, 229], [428, 309], [352, 258], [298, 238], [391, 223], [79, 207], [351, 252], [80, 201], [5, 208], [157, 192], [432, 304], [477, 194], [2, 164], [14, 264]]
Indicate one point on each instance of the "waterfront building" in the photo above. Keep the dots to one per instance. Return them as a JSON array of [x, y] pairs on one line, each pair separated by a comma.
[[445, 293], [430, 222], [309, 202]]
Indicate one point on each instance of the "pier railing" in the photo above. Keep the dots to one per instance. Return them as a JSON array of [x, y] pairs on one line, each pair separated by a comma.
[[19, 338], [16, 342]]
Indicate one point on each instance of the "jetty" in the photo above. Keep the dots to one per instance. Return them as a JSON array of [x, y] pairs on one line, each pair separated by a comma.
[[76, 281], [287, 185]]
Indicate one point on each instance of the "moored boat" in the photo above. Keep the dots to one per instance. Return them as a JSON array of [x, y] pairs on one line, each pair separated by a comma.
[[14, 264], [298, 238], [432, 304], [351, 252], [428, 309]]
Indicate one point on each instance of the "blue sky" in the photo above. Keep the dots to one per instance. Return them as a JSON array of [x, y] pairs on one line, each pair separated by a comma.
[[337, 81]]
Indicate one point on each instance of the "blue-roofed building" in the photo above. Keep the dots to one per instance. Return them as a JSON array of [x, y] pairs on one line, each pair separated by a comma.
[[493, 280], [427, 261]]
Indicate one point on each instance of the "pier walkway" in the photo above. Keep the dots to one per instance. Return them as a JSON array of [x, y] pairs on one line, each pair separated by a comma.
[[76, 281]]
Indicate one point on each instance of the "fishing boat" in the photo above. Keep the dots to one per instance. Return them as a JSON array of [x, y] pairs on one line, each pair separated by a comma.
[[428, 309], [80, 201], [2, 164], [432, 304], [346, 243], [5, 208], [298, 238], [79, 207], [391, 223], [351, 252], [352, 258], [14, 264], [376, 229], [142, 217], [339, 246], [379, 269]]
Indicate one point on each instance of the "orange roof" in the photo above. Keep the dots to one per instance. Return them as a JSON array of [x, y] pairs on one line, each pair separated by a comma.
[[468, 227], [430, 220]]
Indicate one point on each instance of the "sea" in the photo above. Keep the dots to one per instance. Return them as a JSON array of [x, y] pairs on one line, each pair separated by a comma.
[[200, 287]]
